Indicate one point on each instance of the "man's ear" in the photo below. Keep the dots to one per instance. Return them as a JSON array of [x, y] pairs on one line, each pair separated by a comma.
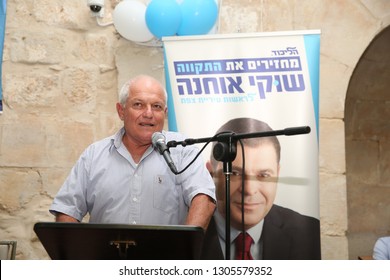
[[119, 110]]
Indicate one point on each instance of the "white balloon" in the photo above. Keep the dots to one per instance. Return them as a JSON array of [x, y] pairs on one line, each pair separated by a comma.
[[129, 21]]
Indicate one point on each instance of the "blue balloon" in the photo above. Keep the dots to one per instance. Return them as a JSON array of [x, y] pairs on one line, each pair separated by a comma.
[[163, 17], [198, 17]]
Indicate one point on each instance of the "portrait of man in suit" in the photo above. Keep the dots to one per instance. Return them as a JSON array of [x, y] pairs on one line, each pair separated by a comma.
[[272, 232]]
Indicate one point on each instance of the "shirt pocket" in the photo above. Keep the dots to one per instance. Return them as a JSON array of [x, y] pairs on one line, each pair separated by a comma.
[[165, 195]]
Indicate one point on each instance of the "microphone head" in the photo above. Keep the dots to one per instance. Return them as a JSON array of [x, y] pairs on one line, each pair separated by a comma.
[[157, 137]]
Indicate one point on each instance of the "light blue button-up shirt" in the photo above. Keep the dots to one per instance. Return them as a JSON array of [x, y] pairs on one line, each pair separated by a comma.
[[382, 249], [109, 186]]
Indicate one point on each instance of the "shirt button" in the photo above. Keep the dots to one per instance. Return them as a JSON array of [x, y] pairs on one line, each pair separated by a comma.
[[134, 222], [135, 199]]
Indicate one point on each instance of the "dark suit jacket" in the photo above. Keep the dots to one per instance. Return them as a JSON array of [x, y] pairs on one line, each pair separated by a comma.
[[287, 235]]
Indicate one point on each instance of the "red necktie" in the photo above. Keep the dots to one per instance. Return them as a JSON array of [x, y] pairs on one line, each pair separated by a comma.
[[246, 255]]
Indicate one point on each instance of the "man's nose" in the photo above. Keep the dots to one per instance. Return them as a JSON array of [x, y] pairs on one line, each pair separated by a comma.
[[251, 185], [148, 111]]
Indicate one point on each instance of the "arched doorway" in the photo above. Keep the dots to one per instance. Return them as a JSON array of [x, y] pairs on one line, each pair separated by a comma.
[[367, 134]]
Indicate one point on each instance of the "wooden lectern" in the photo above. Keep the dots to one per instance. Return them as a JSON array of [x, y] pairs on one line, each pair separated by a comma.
[[88, 241]]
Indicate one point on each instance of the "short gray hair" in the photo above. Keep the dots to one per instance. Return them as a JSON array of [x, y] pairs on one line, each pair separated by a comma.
[[124, 92], [125, 89]]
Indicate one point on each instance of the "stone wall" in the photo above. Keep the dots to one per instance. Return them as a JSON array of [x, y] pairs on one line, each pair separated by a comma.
[[367, 115], [61, 73]]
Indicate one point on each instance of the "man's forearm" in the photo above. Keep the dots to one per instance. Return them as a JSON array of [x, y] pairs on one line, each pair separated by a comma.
[[60, 217], [201, 209]]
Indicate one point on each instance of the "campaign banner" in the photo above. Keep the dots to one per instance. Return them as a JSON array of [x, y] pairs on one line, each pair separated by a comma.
[[3, 8], [270, 76]]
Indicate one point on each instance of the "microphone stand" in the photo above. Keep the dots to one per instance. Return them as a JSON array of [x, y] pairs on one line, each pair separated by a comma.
[[225, 150]]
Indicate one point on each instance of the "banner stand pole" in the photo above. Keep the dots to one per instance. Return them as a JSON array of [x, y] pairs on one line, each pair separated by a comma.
[[226, 152]]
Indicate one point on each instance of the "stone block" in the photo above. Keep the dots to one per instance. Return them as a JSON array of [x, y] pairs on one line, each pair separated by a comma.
[[18, 187], [31, 92], [97, 49], [332, 146], [333, 88], [37, 47], [368, 207], [36, 144], [64, 14], [333, 204], [334, 248], [363, 160]]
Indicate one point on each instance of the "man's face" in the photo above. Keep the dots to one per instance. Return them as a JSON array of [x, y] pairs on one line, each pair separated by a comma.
[[262, 171], [144, 112]]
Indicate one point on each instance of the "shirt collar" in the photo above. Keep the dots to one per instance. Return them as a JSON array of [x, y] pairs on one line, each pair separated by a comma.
[[117, 141], [117, 138]]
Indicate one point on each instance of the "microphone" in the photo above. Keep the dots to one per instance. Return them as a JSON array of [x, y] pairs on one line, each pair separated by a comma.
[[158, 142]]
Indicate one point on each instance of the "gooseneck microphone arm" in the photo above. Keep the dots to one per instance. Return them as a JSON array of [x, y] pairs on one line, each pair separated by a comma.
[[225, 151], [224, 137]]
